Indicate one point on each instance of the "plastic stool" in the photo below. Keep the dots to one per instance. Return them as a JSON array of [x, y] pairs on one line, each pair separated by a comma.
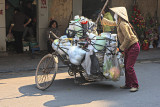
[[26, 48]]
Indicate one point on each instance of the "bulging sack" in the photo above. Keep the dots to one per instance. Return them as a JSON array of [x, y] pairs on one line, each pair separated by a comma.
[[64, 45], [76, 55]]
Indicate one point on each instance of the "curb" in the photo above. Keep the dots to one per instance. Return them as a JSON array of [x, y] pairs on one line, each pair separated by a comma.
[[148, 60], [62, 66]]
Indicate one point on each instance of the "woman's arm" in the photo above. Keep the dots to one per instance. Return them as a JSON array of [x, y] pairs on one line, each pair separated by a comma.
[[127, 37], [108, 22], [27, 22], [10, 29]]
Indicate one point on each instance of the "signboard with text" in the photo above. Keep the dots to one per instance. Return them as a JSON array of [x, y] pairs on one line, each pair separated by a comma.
[[2, 14], [43, 4]]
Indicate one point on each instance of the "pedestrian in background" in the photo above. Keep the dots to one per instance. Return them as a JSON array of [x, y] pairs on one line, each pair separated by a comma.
[[128, 43], [106, 14], [17, 27], [30, 12]]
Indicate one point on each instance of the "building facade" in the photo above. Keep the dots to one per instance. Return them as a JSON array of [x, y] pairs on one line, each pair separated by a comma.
[[2, 26], [64, 10]]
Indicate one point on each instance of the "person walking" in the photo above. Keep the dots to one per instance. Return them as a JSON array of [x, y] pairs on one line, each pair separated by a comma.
[[128, 43], [17, 27]]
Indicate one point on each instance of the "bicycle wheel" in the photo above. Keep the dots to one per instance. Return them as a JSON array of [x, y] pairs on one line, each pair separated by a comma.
[[46, 71]]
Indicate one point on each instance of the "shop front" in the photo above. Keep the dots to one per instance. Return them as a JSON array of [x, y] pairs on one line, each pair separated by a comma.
[[145, 20], [43, 12], [27, 7]]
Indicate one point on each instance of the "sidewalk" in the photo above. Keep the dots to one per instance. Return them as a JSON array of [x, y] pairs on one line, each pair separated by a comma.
[[24, 62], [149, 55], [21, 62]]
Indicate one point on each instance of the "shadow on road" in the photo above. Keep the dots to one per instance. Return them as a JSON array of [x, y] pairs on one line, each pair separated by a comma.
[[28, 73], [66, 92]]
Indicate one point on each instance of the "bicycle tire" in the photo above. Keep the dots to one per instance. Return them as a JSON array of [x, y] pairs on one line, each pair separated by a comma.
[[43, 72]]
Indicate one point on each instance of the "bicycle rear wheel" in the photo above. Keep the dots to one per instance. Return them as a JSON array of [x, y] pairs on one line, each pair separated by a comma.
[[46, 71]]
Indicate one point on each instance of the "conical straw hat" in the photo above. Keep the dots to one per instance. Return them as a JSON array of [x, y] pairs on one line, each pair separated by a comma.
[[121, 11]]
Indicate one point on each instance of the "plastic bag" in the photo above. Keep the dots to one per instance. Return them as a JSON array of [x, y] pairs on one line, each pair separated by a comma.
[[120, 58], [111, 68], [10, 37], [63, 44], [76, 55]]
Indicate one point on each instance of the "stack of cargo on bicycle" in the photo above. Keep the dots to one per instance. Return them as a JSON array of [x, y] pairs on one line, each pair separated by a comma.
[[95, 57]]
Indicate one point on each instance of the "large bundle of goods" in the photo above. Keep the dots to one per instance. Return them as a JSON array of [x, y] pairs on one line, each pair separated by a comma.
[[80, 26], [98, 49]]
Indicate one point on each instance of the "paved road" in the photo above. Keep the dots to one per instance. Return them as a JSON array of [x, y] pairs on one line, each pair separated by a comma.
[[17, 89]]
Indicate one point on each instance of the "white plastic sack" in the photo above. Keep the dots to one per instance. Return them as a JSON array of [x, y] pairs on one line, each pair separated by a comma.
[[54, 46], [106, 35], [114, 37], [76, 55], [113, 44], [65, 46], [91, 35]]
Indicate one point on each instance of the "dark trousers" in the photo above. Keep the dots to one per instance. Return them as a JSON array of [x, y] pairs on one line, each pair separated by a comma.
[[131, 55], [49, 47], [18, 41]]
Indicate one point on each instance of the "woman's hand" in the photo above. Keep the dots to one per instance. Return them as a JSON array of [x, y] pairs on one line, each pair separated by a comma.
[[119, 50], [101, 16]]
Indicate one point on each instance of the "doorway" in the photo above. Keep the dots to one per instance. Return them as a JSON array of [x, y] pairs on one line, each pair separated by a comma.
[[29, 8]]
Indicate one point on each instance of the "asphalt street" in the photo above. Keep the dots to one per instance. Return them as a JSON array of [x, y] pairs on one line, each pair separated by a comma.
[[18, 89]]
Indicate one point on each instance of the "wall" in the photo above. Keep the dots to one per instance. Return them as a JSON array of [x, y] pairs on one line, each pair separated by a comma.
[[159, 12], [77, 7], [61, 11], [42, 23], [2, 26]]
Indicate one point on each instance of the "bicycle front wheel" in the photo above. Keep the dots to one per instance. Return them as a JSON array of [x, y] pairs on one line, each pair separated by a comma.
[[46, 71]]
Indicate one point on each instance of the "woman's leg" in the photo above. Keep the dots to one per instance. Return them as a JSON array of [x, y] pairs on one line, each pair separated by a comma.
[[132, 55], [127, 81]]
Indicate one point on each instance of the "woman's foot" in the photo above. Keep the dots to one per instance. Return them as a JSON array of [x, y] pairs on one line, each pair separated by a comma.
[[134, 89], [125, 87]]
